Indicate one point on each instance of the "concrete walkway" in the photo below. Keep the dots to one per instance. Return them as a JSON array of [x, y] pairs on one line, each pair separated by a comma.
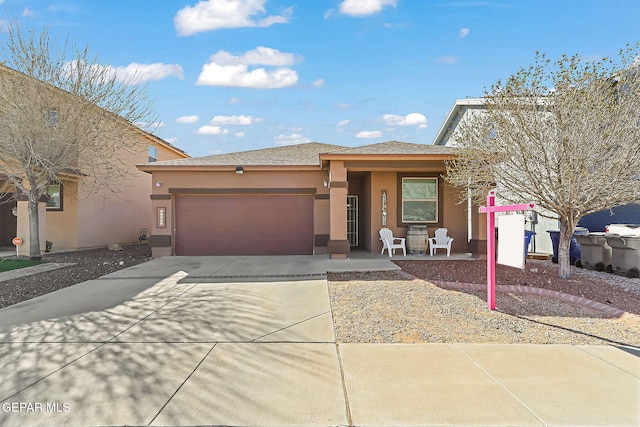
[[250, 341]]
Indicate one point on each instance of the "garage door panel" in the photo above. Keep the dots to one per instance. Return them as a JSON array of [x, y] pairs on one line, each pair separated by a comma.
[[244, 224]]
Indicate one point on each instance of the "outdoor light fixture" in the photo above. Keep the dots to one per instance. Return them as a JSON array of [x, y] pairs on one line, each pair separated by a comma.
[[239, 170], [158, 183]]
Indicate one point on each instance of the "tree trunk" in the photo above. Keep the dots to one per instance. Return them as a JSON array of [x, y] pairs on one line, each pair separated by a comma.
[[564, 246], [34, 230]]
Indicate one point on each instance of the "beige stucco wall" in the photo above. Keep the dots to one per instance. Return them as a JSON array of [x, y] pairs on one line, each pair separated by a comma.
[[61, 229], [161, 196]]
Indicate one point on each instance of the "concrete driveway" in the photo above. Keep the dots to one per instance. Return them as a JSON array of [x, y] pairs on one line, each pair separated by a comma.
[[177, 341], [250, 341]]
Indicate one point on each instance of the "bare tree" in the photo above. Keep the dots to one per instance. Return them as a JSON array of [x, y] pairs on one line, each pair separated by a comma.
[[63, 115], [563, 134]]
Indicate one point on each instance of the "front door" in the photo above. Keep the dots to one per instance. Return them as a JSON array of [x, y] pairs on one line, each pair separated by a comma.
[[352, 220]]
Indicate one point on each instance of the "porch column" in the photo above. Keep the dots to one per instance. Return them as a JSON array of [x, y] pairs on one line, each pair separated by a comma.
[[338, 245], [478, 243]]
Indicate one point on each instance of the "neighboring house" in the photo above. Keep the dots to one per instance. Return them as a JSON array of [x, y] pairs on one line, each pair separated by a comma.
[[309, 198], [71, 217], [466, 109]]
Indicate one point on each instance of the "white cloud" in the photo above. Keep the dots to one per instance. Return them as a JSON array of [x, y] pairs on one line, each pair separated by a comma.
[[172, 140], [187, 119], [230, 70], [215, 14], [260, 55], [369, 134], [148, 72], [234, 100], [464, 32], [412, 119], [364, 7], [28, 12], [318, 83], [239, 134], [212, 130], [447, 59], [235, 120], [343, 122], [292, 139]]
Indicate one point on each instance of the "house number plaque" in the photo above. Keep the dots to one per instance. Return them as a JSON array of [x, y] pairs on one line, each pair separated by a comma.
[[384, 207]]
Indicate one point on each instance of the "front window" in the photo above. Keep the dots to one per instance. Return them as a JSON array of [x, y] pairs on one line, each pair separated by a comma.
[[153, 154], [420, 200], [54, 203]]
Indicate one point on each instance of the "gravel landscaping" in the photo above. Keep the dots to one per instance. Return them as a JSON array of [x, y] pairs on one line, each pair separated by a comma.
[[387, 307], [89, 264]]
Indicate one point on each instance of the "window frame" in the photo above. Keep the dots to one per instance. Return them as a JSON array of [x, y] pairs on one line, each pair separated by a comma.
[[152, 150], [437, 176], [60, 206]]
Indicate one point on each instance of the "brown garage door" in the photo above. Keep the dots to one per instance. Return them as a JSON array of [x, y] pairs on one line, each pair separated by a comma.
[[244, 224]]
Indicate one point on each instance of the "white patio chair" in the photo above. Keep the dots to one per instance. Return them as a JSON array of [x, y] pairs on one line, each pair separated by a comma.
[[388, 242], [441, 240]]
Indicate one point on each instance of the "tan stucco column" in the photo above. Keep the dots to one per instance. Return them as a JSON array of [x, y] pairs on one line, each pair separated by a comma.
[[338, 245]]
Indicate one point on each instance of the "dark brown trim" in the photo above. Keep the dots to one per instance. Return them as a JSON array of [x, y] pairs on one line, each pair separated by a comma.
[[20, 197], [322, 196], [160, 197], [339, 184], [339, 247], [321, 239], [393, 165], [438, 175], [242, 191], [476, 246], [160, 241]]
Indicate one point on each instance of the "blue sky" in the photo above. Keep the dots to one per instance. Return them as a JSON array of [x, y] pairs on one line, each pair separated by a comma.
[[235, 75]]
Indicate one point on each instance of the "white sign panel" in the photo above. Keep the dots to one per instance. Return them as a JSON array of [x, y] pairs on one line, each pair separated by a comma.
[[511, 240]]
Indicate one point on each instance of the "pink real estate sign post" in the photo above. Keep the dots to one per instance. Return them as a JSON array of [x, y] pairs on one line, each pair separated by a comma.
[[491, 210]]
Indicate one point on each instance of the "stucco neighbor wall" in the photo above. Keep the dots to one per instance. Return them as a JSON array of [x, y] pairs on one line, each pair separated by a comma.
[[93, 219], [62, 229]]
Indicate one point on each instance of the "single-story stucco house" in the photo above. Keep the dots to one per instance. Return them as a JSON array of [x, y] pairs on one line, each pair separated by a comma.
[[311, 198]]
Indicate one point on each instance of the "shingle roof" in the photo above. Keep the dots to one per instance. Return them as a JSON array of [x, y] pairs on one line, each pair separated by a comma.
[[395, 147], [290, 155], [304, 154]]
